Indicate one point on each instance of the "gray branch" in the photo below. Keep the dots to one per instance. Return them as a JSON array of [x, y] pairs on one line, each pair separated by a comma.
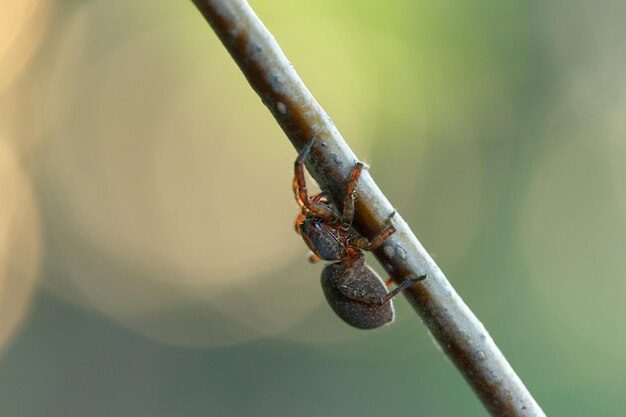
[[457, 330]]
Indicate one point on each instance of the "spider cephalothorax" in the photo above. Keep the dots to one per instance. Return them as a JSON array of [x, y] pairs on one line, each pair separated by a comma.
[[353, 290]]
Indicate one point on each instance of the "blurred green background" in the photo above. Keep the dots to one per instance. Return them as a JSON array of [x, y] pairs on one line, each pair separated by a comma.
[[148, 265]]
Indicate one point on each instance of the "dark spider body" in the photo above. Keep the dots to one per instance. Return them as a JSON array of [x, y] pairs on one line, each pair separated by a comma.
[[354, 291], [357, 313], [322, 238]]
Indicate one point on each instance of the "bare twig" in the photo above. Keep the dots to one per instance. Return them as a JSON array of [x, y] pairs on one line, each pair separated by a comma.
[[459, 333]]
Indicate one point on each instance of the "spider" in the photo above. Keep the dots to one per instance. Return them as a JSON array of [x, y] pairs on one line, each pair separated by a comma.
[[354, 291]]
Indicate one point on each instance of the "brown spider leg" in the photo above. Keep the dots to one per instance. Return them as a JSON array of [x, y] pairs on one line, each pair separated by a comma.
[[313, 258], [370, 245], [299, 219], [315, 208], [294, 186], [318, 197], [348, 200], [403, 286], [302, 215]]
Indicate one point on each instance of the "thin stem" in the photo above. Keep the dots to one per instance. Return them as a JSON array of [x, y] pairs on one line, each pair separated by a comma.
[[457, 330]]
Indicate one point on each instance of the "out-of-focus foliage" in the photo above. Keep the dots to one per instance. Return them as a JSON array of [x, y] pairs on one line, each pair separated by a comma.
[[148, 264]]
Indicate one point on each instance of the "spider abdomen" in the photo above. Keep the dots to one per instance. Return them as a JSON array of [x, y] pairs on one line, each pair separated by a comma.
[[359, 314]]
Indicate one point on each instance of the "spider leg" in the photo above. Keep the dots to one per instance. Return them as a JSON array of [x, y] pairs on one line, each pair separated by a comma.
[[370, 245], [313, 258], [318, 197], [348, 200], [299, 186], [294, 186], [299, 219], [403, 286]]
